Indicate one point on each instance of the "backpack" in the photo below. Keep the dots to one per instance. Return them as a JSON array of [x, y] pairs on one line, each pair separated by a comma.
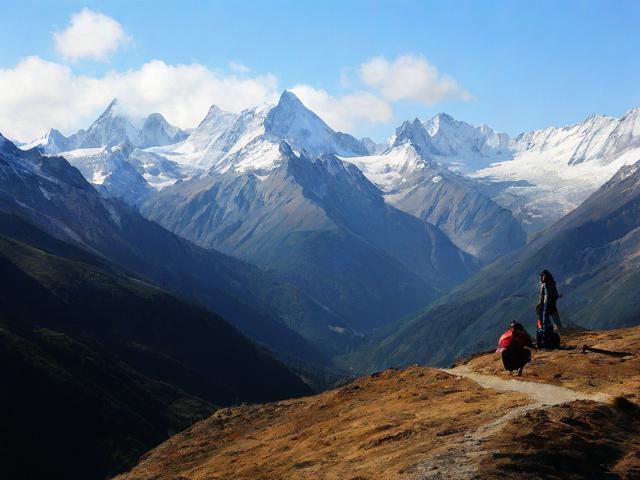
[[550, 340]]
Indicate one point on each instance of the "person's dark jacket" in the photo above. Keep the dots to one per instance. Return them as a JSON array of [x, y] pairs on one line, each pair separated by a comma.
[[548, 298]]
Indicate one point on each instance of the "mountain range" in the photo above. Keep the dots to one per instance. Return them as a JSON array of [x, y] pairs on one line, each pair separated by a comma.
[[368, 232], [317, 222], [550, 172], [154, 273], [50, 194], [236, 181], [413, 181]]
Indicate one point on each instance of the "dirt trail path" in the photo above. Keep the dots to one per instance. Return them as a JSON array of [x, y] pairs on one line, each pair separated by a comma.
[[462, 457], [540, 393]]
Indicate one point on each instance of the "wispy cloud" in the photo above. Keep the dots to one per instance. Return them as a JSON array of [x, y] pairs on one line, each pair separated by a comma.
[[90, 35], [238, 67]]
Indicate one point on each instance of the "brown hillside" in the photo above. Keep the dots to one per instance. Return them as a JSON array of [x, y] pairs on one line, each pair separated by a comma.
[[422, 423], [614, 372]]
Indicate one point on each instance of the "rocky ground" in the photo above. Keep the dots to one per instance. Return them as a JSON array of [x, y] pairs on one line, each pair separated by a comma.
[[571, 415]]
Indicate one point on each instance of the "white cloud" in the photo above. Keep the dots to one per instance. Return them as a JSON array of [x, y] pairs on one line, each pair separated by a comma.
[[344, 112], [37, 94], [90, 35], [410, 77]]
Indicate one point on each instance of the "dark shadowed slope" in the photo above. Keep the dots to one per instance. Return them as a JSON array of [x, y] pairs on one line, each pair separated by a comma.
[[98, 367]]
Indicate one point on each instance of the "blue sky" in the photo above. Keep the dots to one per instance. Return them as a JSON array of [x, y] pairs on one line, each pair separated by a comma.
[[517, 66]]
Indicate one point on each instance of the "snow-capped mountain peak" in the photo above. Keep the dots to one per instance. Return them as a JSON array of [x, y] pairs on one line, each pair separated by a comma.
[[415, 134], [203, 141], [156, 131], [251, 140], [213, 118], [111, 128], [290, 120], [625, 135], [433, 126], [451, 137], [110, 111], [51, 142], [556, 169]]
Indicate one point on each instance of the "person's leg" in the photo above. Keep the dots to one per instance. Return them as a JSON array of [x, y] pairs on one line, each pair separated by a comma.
[[547, 327], [556, 318]]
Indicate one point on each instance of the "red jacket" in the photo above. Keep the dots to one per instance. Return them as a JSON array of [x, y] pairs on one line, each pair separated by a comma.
[[514, 336]]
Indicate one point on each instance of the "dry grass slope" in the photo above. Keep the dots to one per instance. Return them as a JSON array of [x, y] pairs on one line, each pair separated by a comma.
[[423, 423]]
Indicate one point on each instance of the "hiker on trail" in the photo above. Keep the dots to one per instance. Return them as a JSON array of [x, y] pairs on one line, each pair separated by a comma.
[[547, 336], [513, 345]]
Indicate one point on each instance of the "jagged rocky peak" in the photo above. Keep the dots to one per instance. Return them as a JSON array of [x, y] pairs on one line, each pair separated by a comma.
[[373, 147], [290, 114], [415, 134], [111, 108], [214, 116], [111, 128], [51, 142], [212, 126], [626, 135], [156, 131], [433, 125], [115, 126], [55, 138], [451, 137], [292, 121]]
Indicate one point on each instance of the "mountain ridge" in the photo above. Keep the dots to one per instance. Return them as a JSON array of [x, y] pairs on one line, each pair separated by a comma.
[[592, 249], [272, 219]]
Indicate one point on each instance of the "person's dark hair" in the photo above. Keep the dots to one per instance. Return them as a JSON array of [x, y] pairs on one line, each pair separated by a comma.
[[546, 277]]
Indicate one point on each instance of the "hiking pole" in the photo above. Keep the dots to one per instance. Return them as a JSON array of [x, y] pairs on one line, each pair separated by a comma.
[[587, 348]]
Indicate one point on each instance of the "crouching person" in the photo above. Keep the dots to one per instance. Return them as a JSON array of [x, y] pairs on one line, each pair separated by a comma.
[[514, 345]]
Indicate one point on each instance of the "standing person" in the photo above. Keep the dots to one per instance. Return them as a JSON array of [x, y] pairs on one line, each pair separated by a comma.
[[547, 310]]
